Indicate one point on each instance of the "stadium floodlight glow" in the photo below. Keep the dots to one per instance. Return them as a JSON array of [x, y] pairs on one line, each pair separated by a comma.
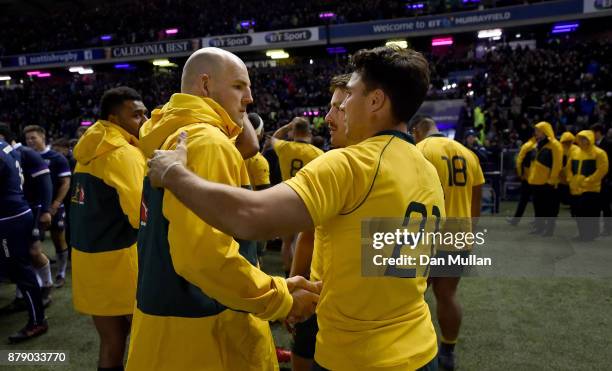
[[122, 66], [485, 34], [565, 27], [163, 63], [442, 41], [327, 15], [5, 78], [33, 73], [415, 6], [401, 43], [249, 23], [518, 35], [172, 31], [336, 50], [277, 54], [106, 37]]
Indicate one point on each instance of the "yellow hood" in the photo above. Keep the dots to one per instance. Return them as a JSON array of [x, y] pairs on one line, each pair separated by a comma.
[[102, 137], [180, 111], [567, 137], [547, 129], [589, 135]]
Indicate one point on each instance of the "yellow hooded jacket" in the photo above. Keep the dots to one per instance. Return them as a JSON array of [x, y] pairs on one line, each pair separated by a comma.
[[588, 166], [104, 215], [567, 137], [195, 291], [525, 158], [548, 158]]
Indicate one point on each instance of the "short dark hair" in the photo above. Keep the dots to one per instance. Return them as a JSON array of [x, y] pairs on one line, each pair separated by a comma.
[[61, 142], [598, 128], [339, 82], [6, 132], [403, 74], [36, 128], [113, 98], [301, 125], [256, 120]]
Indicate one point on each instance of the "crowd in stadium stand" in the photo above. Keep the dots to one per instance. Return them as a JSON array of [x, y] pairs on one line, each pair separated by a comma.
[[78, 25], [511, 89]]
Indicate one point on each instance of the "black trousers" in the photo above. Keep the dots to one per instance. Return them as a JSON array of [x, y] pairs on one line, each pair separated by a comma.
[[15, 263], [546, 205], [588, 207], [567, 198], [523, 200]]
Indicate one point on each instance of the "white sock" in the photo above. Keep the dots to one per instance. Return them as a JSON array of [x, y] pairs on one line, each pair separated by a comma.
[[62, 259], [18, 294], [44, 275]]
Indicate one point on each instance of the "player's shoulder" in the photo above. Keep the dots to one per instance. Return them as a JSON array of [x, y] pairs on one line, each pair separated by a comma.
[[206, 138], [54, 156], [315, 149], [127, 152]]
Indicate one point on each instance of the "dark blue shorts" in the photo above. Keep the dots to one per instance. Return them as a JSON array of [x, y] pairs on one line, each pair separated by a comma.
[[58, 223], [38, 233], [15, 239]]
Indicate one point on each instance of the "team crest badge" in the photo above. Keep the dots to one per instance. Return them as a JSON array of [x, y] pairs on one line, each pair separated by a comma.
[[78, 196], [144, 213]]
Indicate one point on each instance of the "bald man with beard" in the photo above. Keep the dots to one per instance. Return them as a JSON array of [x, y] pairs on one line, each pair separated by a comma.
[[202, 303]]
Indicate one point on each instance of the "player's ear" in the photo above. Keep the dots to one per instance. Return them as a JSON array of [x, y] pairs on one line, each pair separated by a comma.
[[377, 100], [205, 85]]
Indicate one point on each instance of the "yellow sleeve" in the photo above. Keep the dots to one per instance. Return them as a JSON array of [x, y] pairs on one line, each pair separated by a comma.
[[207, 257], [278, 144], [329, 185], [477, 174], [125, 172], [602, 168], [519, 159], [261, 171], [557, 150]]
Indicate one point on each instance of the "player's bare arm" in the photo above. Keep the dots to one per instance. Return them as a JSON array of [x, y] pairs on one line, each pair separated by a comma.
[[238, 212]]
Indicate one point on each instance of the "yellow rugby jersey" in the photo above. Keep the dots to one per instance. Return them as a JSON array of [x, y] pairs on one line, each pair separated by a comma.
[[259, 171], [459, 170], [292, 156], [196, 291], [104, 215], [368, 323]]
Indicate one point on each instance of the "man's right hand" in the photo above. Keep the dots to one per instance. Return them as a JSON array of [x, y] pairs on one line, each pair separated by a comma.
[[45, 220], [304, 305], [305, 298]]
